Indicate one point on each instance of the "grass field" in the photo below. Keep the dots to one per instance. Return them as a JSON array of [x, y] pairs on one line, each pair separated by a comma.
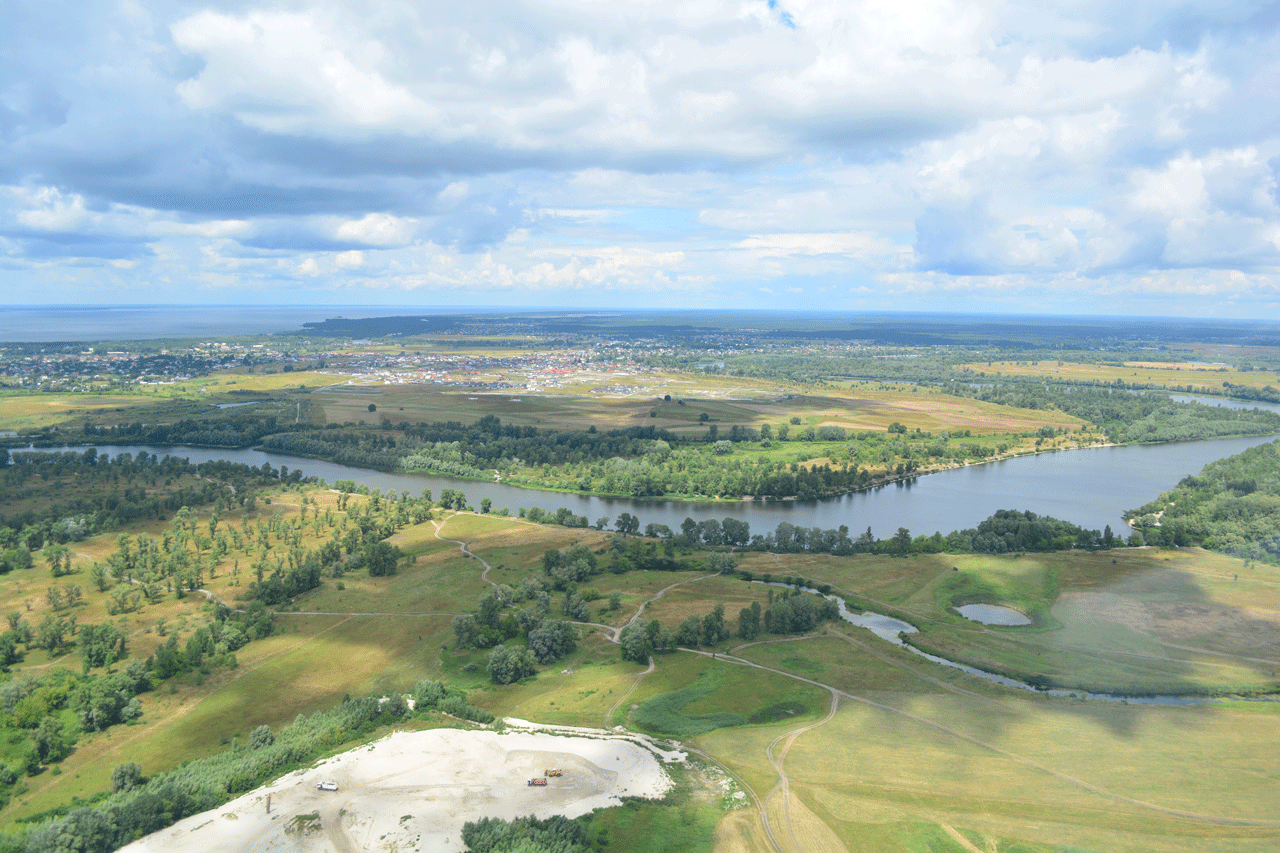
[[1128, 621], [30, 412], [917, 757], [866, 406], [1209, 378]]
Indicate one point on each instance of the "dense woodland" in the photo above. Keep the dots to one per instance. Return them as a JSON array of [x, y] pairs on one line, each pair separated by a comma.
[[64, 497], [1232, 505], [646, 462], [1126, 417]]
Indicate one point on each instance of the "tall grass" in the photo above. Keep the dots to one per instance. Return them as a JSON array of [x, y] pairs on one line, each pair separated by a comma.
[[661, 714]]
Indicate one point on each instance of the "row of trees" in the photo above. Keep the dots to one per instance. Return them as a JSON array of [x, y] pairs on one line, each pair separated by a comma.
[[1006, 530]]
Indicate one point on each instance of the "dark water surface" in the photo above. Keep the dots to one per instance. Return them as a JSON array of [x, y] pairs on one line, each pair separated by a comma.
[[1091, 488]]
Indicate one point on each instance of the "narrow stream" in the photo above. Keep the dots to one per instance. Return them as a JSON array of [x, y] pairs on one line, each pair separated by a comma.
[[890, 629]]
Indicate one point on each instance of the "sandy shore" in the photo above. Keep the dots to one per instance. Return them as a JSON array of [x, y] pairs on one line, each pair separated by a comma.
[[415, 790]]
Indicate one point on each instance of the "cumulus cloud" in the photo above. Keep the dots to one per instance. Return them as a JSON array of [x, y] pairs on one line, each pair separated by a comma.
[[1081, 152]]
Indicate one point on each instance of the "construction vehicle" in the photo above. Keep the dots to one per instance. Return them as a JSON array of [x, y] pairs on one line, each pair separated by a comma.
[[537, 782], [555, 772]]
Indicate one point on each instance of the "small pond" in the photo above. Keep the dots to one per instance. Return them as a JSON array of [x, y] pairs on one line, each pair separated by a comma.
[[891, 629], [992, 614]]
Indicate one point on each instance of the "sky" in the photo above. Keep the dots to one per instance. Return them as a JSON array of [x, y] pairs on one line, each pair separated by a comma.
[[1077, 157]]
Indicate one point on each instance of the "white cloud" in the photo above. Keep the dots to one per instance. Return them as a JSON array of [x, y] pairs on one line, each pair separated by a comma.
[[376, 229], [939, 147], [351, 260], [290, 73]]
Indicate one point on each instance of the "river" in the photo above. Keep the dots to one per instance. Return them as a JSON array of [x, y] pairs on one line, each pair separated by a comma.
[[1091, 488]]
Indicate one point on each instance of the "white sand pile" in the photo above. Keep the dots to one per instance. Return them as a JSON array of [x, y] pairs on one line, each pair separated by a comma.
[[415, 790]]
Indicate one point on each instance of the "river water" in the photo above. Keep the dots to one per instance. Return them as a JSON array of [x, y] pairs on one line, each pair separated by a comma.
[[1091, 488]]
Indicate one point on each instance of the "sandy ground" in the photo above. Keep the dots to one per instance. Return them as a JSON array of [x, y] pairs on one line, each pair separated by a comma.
[[415, 790]]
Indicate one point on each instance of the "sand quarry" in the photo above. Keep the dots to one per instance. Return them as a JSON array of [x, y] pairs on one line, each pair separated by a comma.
[[415, 790]]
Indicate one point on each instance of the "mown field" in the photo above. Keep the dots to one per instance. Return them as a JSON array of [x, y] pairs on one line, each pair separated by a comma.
[[1208, 377], [866, 407], [1127, 621], [916, 756]]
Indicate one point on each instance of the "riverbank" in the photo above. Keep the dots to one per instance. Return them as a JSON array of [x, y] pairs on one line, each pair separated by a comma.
[[1092, 488]]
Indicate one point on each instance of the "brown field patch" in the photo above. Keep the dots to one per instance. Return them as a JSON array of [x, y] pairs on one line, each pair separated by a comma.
[[1163, 374]]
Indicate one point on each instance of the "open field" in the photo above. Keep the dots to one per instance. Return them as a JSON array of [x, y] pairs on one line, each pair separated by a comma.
[[915, 756], [27, 412], [1128, 621], [1028, 774], [867, 406], [1207, 377]]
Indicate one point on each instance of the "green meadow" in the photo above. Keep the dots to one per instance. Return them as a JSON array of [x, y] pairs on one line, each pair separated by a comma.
[[835, 739]]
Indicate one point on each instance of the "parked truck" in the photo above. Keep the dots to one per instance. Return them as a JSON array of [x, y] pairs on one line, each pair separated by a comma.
[[537, 782]]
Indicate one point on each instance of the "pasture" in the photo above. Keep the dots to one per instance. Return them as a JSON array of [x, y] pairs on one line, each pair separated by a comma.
[[1126, 621], [1207, 377], [916, 757], [30, 412], [866, 406]]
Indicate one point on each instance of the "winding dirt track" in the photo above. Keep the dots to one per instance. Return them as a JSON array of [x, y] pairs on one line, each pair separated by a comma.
[[777, 757], [783, 787], [462, 546], [1013, 756], [780, 746]]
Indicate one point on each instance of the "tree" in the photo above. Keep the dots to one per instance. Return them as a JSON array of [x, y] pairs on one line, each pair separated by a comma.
[[381, 558], [688, 633], [720, 562], [576, 609], [52, 634], [51, 743], [260, 737], [552, 640], [713, 627], [466, 629], [125, 776], [395, 706], [627, 524], [373, 407], [749, 621], [510, 665], [488, 610], [485, 505], [635, 642]]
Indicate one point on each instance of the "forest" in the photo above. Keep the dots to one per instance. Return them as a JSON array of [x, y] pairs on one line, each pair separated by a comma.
[[63, 497], [1232, 505]]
